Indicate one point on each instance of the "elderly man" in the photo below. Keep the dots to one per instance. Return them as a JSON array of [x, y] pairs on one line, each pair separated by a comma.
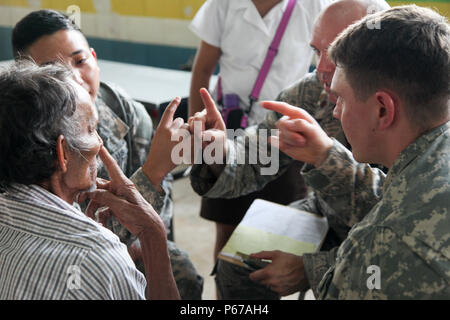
[[124, 126], [392, 85], [284, 275], [50, 250]]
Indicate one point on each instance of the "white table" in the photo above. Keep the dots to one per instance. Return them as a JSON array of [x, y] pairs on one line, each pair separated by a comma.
[[150, 85], [5, 63]]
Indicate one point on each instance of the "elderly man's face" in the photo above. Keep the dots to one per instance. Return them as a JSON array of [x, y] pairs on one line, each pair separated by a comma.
[[71, 48], [82, 166]]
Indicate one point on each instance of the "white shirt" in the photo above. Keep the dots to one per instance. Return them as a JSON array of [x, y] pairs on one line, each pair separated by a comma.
[[51, 251], [237, 28]]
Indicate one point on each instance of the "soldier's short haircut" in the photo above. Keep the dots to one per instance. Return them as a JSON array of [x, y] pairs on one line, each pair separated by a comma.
[[405, 49], [36, 25], [37, 105]]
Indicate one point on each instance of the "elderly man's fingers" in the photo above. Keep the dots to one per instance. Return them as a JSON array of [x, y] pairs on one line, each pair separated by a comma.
[[104, 198], [169, 113], [102, 183], [82, 197], [92, 209], [288, 110], [103, 216], [114, 171]]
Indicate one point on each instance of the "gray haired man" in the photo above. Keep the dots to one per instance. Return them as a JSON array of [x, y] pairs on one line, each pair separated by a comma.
[[49, 249]]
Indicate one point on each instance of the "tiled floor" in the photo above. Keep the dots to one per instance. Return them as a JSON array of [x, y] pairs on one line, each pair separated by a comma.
[[196, 235]]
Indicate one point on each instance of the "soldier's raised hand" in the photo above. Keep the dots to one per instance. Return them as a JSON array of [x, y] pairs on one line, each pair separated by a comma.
[[208, 126], [210, 117], [159, 161], [300, 136]]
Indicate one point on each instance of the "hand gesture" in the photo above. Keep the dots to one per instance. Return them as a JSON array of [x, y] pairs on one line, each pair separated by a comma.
[[123, 201], [210, 117], [159, 161], [300, 137], [133, 212], [208, 126]]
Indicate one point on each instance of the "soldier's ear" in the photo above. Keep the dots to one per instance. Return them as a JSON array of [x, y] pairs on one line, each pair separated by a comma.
[[387, 104], [62, 153]]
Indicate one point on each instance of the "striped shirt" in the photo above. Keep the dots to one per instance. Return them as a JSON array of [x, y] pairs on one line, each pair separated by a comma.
[[51, 251]]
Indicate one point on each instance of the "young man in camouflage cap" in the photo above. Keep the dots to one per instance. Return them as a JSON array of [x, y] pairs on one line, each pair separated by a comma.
[[124, 125]]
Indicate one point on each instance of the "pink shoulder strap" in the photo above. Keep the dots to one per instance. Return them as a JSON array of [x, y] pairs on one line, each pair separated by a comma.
[[272, 52]]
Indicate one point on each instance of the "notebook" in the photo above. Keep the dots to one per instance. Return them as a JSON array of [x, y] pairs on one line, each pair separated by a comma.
[[270, 226]]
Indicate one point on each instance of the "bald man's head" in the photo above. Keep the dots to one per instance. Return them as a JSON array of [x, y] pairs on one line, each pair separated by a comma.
[[330, 23]]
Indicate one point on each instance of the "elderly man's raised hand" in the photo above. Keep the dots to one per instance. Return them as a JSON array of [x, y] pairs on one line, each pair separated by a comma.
[[300, 137], [127, 205]]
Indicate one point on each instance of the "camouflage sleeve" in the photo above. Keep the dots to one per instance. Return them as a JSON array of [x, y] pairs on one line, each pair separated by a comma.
[[160, 201], [350, 188], [308, 204], [380, 268], [316, 265], [141, 128], [243, 174], [315, 204]]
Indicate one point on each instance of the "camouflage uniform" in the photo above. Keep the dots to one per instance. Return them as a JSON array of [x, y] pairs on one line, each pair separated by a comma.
[[237, 179], [114, 126], [400, 222], [241, 179]]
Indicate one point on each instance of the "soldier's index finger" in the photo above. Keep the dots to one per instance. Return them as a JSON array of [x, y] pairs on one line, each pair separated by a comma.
[[210, 105], [114, 171], [287, 110], [169, 113]]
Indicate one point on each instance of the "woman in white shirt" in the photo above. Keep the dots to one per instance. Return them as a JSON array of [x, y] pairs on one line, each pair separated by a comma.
[[237, 34]]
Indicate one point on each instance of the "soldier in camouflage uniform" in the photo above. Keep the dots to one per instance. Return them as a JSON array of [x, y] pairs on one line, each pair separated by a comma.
[[124, 126], [233, 281], [308, 93], [398, 247]]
